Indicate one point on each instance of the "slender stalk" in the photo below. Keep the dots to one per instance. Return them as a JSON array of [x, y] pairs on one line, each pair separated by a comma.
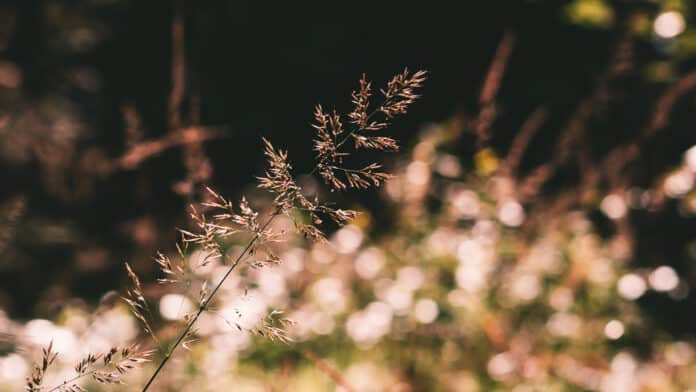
[[70, 381], [204, 304]]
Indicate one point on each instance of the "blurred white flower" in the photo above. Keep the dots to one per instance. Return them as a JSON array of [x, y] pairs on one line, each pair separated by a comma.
[[461, 298], [443, 241], [543, 257], [564, 324], [622, 375], [472, 252], [500, 366], [663, 278], [448, 166], [366, 327], [465, 203], [679, 353], [174, 306], [400, 298], [524, 287], [561, 298], [321, 323], [470, 278], [410, 277], [364, 377], [245, 311], [379, 315], [614, 206], [271, 282], [231, 343], [325, 253], [426, 311], [394, 187], [348, 239], [42, 332], [369, 262], [13, 367], [293, 260], [690, 158], [600, 271], [330, 294], [679, 183], [204, 261], [113, 327], [669, 24], [614, 329], [631, 286], [485, 231], [418, 173], [511, 213]]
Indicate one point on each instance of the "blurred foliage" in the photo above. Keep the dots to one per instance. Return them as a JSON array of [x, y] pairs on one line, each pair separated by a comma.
[[590, 13]]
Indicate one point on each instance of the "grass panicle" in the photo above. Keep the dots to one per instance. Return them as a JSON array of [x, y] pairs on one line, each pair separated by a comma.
[[217, 219]]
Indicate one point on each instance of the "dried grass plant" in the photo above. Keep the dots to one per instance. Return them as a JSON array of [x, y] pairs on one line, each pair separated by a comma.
[[104, 368], [337, 136]]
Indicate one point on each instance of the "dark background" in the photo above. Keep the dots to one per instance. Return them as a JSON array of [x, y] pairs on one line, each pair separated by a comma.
[[257, 69]]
